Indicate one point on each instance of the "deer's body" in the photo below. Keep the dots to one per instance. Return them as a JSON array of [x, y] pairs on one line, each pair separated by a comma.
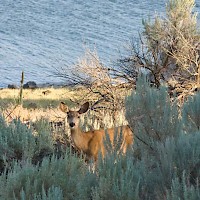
[[92, 142]]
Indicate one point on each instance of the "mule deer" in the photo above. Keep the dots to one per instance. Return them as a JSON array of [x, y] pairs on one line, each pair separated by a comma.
[[92, 142]]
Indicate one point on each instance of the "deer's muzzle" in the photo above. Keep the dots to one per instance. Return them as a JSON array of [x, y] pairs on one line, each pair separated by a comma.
[[72, 124]]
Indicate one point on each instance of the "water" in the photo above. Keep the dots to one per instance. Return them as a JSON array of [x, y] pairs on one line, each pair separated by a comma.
[[37, 36]]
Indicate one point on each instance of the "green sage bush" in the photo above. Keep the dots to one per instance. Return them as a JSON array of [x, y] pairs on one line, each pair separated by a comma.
[[27, 181], [163, 164], [152, 115], [191, 116], [167, 138], [18, 142]]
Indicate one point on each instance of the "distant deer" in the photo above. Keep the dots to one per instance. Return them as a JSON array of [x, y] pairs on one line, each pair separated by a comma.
[[92, 142]]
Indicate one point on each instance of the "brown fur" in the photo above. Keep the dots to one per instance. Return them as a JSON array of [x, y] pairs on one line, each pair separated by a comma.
[[92, 142]]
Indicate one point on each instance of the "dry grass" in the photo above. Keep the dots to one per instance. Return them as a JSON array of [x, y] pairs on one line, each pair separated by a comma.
[[24, 114], [44, 103], [38, 94], [37, 103], [39, 98]]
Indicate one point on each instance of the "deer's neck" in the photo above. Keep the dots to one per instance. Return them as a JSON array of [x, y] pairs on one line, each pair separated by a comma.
[[80, 139]]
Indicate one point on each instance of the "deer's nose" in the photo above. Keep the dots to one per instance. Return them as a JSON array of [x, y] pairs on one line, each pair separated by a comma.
[[72, 124]]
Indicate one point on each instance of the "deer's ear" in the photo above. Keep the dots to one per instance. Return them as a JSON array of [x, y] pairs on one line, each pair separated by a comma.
[[63, 107], [84, 108]]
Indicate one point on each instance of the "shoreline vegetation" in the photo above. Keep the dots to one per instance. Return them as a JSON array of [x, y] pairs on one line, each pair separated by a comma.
[[37, 103], [38, 85]]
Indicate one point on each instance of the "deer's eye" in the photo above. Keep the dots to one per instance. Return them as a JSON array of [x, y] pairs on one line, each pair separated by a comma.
[[78, 116]]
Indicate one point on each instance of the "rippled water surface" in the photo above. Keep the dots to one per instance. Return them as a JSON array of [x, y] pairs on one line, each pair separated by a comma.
[[39, 35]]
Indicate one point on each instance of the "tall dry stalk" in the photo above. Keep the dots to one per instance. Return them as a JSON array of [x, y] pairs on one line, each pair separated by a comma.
[[20, 100]]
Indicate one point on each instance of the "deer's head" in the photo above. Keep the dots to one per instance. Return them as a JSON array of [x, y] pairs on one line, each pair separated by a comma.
[[73, 117]]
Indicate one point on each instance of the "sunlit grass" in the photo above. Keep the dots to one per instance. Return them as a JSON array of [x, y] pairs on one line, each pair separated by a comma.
[[43, 103], [37, 94], [39, 98]]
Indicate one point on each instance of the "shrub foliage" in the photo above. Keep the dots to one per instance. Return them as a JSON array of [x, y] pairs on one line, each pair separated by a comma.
[[164, 162]]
